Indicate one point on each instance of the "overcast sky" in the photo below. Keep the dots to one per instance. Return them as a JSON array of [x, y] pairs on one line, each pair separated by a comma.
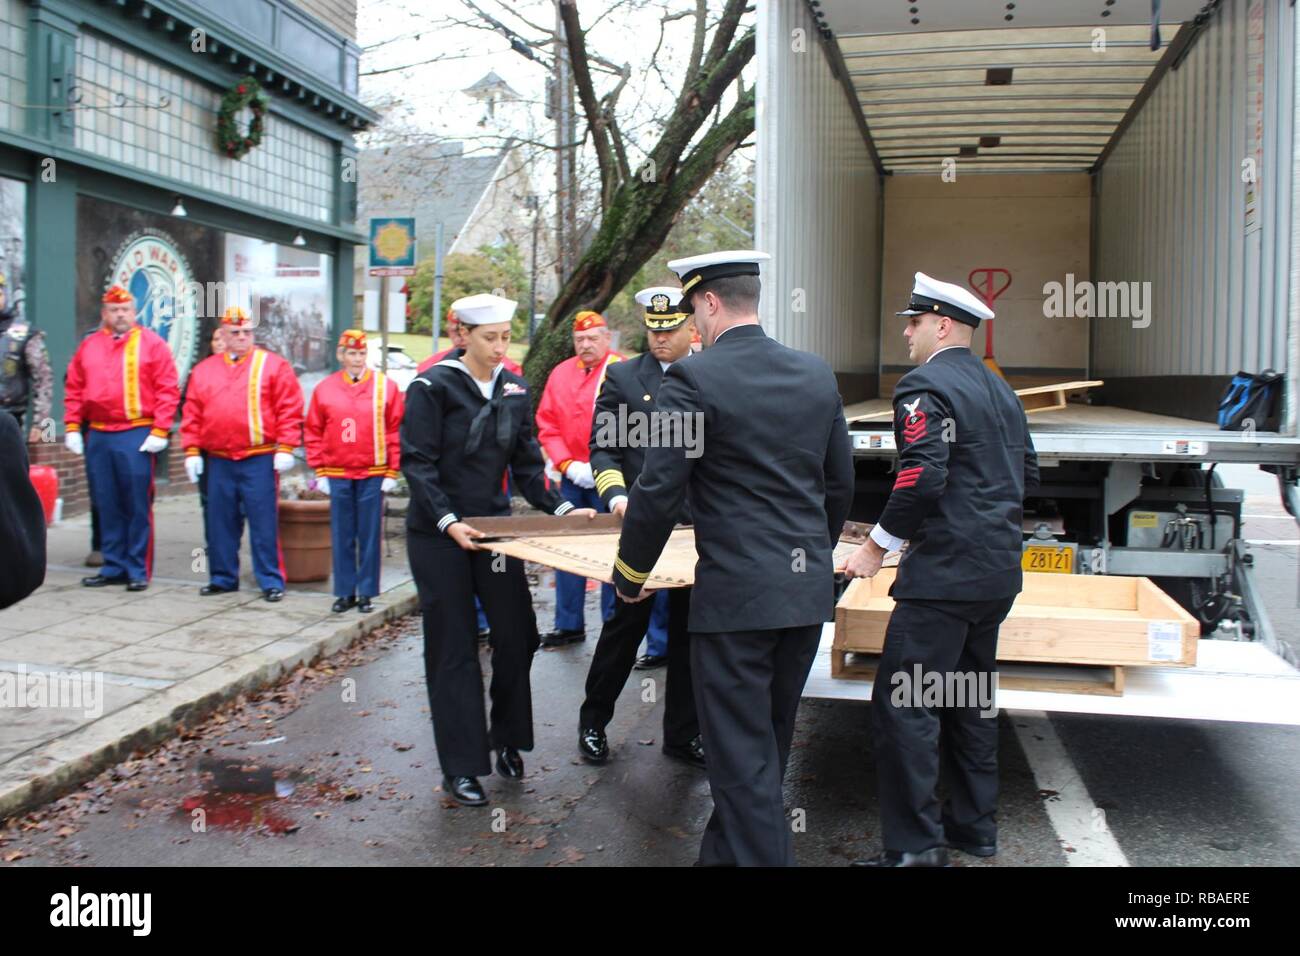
[[395, 33]]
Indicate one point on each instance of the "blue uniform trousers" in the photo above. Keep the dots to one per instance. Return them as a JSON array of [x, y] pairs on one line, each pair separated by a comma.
[[570, 589], [121, 487], [236, 489], [356, 530]]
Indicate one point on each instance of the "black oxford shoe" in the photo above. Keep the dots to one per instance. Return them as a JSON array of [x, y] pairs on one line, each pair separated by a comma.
[[691, 753], [342, 604], [935, 856], [561, 638], [209, 589], [273, 595], [99, 581], [592, 745], [138, 586], [465, 790], [648, 662], [972, 847], [509, 763], [365, 605]]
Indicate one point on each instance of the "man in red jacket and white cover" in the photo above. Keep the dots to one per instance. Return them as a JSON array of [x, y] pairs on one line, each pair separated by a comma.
[[244, 409], [354, 442], [122, 381], [564, 431]]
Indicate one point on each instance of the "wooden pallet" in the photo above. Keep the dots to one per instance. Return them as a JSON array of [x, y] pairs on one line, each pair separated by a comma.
[[1039, 398], [1102, 680], [1047, 398]]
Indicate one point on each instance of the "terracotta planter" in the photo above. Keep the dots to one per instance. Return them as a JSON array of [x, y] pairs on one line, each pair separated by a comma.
[[305, 540]]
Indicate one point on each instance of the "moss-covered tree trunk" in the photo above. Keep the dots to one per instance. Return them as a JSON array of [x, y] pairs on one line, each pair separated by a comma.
[[643, 206]]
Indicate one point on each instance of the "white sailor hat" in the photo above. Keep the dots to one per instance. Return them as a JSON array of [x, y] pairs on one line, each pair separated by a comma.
[[931, 295], [715, 265], [483, 309], [661, 307]]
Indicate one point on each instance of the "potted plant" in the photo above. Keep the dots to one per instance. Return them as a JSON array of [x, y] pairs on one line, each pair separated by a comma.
[[304, 530]]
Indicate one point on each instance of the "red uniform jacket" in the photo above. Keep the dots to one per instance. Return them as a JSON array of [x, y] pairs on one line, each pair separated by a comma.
[[127, 382], [564, 413], [352, 428], [434, 359], [240, 408]]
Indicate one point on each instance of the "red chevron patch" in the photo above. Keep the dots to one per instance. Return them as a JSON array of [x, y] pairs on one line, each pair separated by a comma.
[[914, 427], [908, 477]]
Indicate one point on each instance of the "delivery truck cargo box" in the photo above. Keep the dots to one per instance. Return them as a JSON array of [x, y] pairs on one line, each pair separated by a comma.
[[1121, 192]]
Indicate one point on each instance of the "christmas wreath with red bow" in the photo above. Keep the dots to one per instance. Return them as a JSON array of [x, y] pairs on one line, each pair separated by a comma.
[[231, 140]]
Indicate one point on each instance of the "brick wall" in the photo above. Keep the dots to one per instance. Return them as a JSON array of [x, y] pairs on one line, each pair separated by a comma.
[[71, 470]]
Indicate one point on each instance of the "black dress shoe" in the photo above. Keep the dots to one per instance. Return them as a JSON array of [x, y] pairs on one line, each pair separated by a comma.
[[273, 595], [210, 589], [592, 745], [509, 763], [365, 605], [99, 581], [560, 638], [483, 634], [956, 841], [465, 790], [935, 856], [137, 586], [648, 662], [691, 753], [342, 604]]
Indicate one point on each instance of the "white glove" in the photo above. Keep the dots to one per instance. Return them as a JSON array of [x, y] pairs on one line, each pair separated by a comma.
[[323, 485], [194, 468], [74, 443], [579, 472], [153, 444], [388, 485], [283, 461]]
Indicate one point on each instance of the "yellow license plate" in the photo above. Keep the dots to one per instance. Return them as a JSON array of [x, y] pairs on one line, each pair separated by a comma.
[[1047, 559]]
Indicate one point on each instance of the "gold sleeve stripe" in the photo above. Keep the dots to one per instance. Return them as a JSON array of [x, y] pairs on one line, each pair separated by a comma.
[[636, 577], [609, 478]]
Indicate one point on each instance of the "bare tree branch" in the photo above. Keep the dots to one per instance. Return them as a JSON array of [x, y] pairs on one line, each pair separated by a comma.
[[697, 45], [576, 41]]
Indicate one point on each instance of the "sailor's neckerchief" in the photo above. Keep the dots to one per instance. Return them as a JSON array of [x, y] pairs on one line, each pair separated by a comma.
[[475, 437]]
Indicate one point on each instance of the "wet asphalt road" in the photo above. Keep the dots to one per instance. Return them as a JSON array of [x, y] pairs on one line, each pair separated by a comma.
[[1173, 792]]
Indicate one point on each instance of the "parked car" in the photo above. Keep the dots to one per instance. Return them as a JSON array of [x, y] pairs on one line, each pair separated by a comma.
[[401, 367]]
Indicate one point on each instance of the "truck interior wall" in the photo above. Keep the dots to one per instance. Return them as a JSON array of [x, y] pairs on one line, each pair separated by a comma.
[[818, 203], [1034, 225], [1171, 210]]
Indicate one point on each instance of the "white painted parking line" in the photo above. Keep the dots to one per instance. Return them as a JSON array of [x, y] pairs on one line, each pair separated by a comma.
[[1079, 823], [1273, 541]]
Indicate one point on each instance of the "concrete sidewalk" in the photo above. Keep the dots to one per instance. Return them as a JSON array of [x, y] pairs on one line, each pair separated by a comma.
[[88, 675]]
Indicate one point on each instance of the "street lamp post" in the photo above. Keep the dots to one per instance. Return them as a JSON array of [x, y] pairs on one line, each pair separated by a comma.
[[533, 206]]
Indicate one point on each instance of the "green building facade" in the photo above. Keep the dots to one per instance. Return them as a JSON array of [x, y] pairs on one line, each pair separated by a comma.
[[111, 170]]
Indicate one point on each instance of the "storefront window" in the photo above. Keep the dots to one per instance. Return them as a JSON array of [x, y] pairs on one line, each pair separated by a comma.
[[13, 237], [183, 275]]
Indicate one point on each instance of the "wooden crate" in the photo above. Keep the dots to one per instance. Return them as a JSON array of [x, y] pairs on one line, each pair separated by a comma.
[[1057, 619], [1056, 678]]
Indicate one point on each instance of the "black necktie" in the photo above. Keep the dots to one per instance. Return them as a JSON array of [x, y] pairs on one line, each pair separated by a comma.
[[479, 424]]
